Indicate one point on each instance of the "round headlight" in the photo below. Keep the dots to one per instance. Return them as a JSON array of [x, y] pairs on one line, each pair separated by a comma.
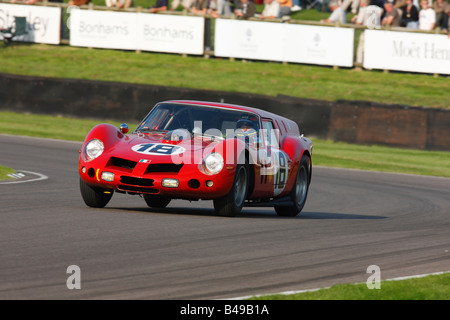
[[213, 163], [94, 149]]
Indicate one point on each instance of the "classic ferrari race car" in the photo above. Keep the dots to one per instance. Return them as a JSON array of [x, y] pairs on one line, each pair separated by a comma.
[[234, 155]]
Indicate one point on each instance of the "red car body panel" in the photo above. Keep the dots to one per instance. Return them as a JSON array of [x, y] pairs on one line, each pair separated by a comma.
[[137, 169]]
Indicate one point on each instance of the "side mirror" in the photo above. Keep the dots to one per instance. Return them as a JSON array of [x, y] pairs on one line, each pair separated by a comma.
[[124, 128]]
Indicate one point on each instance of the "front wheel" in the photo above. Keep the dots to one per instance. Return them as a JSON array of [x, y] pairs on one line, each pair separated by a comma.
[[231, 204], [94, 197], [300, 190]]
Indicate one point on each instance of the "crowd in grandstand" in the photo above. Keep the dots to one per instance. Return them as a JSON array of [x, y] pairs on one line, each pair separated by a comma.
[[426, 15]]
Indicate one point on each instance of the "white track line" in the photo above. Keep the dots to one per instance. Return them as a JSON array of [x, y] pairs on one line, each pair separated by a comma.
[[39, 177]]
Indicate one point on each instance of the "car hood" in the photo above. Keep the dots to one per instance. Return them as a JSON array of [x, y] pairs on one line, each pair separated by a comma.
[[155, 147]]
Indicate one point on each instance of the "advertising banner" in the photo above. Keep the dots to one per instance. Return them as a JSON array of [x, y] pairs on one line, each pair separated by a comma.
[[43, 23], [103, 29], [407, 51], [172, 34], [136, 31], [284, 42]]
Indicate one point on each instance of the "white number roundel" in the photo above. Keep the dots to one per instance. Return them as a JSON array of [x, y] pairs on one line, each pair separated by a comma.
[[157, 149]]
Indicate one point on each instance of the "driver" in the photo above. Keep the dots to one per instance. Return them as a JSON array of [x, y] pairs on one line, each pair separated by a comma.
[[246, 128]]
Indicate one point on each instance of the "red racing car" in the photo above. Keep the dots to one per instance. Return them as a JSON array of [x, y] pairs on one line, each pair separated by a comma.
[[234, 155]]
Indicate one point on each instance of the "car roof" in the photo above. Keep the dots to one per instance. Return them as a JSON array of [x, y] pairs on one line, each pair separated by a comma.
[[285, 123], [262, 113]]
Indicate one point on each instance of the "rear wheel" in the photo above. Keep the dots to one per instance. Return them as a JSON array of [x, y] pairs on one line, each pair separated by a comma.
[[93, 196], [299, 192], [231, 204], [154, 201]]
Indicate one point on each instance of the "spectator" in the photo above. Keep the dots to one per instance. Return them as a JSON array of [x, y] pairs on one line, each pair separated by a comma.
[[427, 17], [34, 1], [392, 17], [446, 20], [399, 3], [338, 13], [438, 7], [186, 4], [410, 15], [297, 5], [246, 10], [271, 10], [368, 10], [78, 3], [285, 7], [161, 5], [354, 3], [219, 8], [121, 4], [200, 7], [378, 3], [366, 14], [235, 4]]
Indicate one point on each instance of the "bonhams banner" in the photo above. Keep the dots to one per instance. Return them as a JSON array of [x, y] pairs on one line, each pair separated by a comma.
[[136, 31], [407, 51], [284, 42], [43, 23]]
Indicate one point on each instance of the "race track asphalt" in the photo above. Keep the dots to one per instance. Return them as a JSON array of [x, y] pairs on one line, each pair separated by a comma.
[[352, 219]]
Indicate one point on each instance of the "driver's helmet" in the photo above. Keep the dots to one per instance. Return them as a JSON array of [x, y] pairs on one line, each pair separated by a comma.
[[248, 122], [247, 126]]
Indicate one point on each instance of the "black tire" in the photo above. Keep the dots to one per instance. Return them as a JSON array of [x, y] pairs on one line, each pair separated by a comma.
[[155, 201], [95, 197], [299, 191], [231, 204]]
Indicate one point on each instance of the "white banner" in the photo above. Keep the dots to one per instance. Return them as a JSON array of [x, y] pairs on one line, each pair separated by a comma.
[[284, 42], [407, 51], [103, 29], [43, 23], [173, 34], [136, 31]]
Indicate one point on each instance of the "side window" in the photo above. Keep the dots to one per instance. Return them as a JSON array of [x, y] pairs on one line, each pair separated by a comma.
[[269, 134]]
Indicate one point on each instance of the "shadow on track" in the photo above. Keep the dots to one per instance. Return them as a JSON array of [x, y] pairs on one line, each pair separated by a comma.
[[252, 214]]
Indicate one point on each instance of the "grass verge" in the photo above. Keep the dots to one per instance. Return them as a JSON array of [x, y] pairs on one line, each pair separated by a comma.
[[325, 153], [432, 287], [304, 81], [4, 171]]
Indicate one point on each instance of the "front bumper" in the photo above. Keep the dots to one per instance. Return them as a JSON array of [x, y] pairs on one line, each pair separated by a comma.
[[150, 178]]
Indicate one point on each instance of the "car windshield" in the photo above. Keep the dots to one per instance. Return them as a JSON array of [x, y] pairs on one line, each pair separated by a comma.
[[199, 119]]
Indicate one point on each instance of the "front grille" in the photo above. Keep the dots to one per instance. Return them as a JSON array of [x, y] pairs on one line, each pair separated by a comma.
[[163, 168], [137, 189], [137, 181], [122, 163]]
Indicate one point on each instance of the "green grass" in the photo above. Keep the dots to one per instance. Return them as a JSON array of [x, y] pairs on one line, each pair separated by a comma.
[[305, 81], [4, 171], [381, 158], [53, 127], [433, 287], [325, 153]]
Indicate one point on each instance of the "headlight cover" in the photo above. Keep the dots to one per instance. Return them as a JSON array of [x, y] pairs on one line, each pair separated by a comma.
[[93, 149], [212, 163]]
